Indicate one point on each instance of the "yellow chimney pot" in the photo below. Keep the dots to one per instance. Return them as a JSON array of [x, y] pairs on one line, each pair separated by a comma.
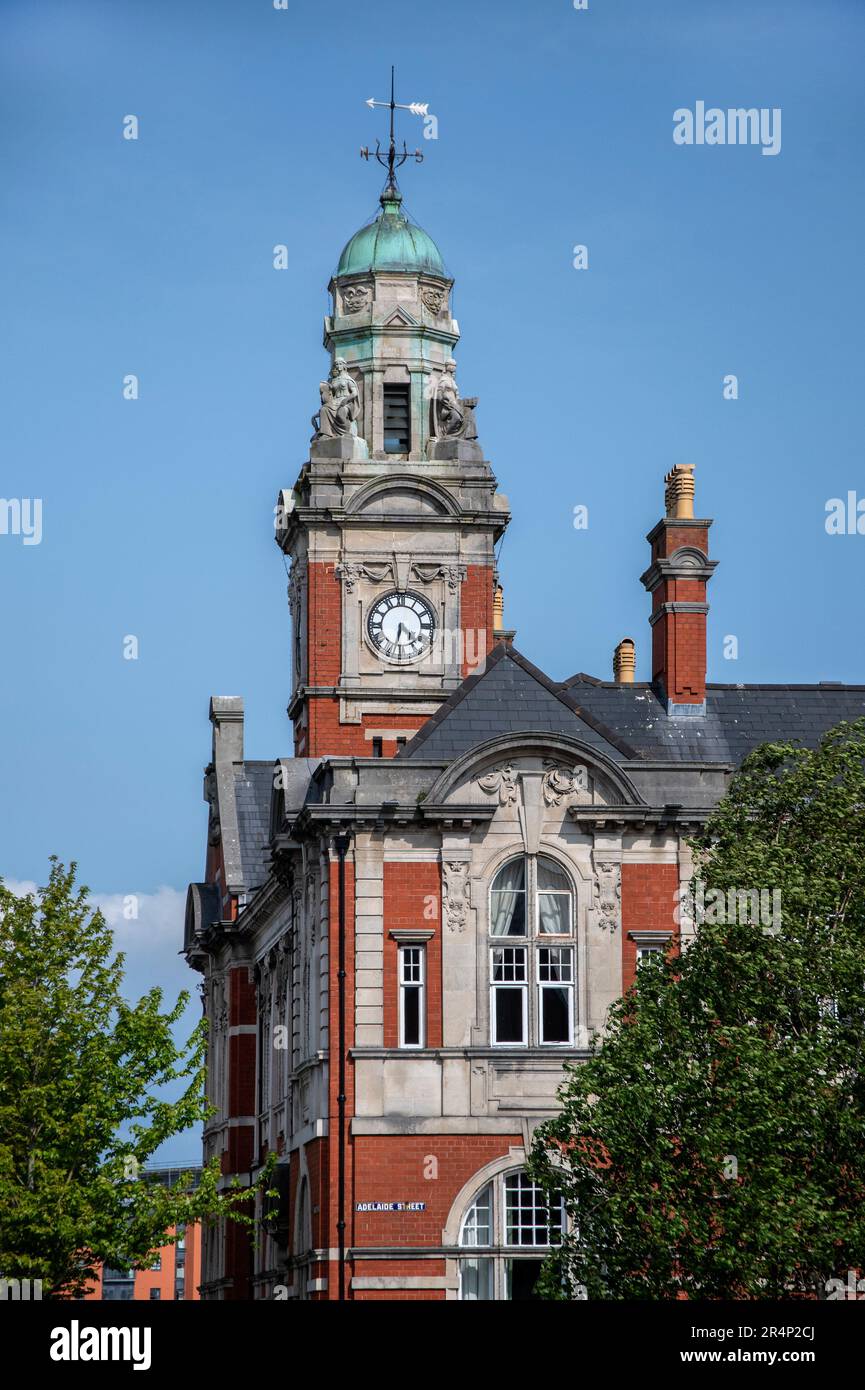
[[499, 609], [625, 662], [679, 496]]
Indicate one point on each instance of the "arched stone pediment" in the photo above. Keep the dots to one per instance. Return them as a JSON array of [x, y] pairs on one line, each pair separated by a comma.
[[568, 771], [688, 557], [402, 493]]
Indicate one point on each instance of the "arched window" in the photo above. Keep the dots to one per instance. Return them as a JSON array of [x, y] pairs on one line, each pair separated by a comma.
[[532, 889], [505, 1237], [532, 983]]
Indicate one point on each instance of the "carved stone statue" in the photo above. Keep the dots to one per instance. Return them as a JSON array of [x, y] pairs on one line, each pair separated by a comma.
[[452, 416], [340, 404]]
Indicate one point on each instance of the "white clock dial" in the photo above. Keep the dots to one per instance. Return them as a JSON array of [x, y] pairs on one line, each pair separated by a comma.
[[401, 626]]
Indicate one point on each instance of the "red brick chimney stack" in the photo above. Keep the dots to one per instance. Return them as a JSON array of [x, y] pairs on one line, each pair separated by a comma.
[[677, 579]]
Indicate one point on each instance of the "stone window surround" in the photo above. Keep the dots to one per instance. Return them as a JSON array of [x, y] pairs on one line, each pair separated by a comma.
[[581, 901]]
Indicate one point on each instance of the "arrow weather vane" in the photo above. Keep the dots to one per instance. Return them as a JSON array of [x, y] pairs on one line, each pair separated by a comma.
[[395, 157]]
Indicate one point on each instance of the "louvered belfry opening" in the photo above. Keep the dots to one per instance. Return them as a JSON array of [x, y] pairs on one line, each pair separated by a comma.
[[397, 433]]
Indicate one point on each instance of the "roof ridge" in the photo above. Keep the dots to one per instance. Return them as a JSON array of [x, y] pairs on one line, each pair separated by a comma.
[[781, 685]]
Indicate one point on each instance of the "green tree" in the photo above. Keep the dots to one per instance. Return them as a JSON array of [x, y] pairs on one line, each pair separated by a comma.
[[80, 1114], [712, 1145]]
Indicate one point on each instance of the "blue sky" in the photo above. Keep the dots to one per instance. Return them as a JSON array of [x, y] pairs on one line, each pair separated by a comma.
[[154, 257]]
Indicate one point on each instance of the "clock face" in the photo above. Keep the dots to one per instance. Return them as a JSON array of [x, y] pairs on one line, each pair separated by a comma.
[[401, 626]]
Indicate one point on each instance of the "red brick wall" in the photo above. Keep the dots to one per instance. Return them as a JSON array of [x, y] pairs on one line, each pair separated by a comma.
[[476, 614], [648, 904], [323, 625], [391, 1168], [241, 1058], [316, 1167], [238, 1263], [240, 1090], [327, 736], [241, 996], [679, 654], [409, 890], [671, 538]]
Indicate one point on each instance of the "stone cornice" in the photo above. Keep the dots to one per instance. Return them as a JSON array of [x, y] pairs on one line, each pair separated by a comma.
[[677, 606], [678, 523], [688, 562]]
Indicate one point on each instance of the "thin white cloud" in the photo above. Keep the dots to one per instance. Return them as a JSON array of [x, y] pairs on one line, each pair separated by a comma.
[[147, 928]]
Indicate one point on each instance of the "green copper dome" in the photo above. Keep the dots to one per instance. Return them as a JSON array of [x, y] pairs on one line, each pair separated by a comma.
[[391, 242]]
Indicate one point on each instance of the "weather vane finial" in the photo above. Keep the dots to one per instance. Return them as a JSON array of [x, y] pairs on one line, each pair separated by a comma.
[[395, 157]]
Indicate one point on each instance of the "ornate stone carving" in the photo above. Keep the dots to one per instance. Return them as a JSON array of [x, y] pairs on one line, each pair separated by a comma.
[[283, 968], [452, 417], [454, 574], [219, 1007], [433, 298], [456, 893], [350, 572], [296, 582], [340, 404], [214, 830], [608, 893], [560, 782], [311, 907], [501, 780], [355, 298]]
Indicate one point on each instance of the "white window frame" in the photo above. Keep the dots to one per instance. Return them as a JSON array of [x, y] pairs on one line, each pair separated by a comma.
[[643, 953], [648, 943], [567, 985], [499, 1254], [419, 984], [515, 985]]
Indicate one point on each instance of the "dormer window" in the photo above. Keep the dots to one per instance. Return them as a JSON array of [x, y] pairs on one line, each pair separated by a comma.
[[397, 430]]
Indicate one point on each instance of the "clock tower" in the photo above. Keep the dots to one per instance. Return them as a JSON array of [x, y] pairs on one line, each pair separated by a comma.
[[392, 524]]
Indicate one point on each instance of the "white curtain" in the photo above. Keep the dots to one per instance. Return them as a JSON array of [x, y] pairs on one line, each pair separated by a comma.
[[507, 896], [554, 899]]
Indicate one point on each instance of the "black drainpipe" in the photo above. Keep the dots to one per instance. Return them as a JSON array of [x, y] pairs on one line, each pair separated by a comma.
[[341, 844]]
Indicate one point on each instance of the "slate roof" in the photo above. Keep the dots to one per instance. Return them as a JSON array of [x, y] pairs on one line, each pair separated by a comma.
[[510, 695], [628, 721], [253, 789], [738, 717], [253, 784]]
